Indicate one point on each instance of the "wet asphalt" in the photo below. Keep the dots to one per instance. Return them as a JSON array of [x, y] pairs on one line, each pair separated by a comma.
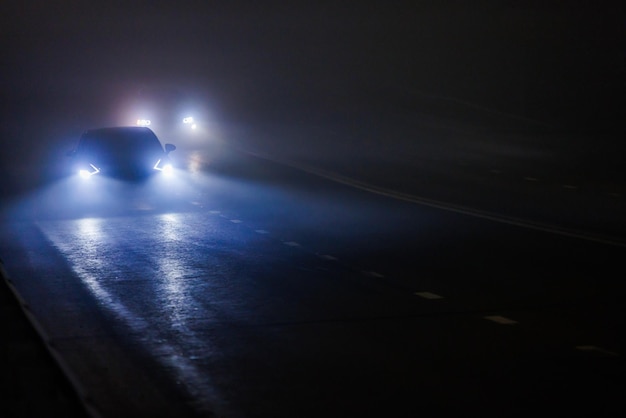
[[35, 382]]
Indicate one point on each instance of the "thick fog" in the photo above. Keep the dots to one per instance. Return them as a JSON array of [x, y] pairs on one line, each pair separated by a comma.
[[70, 66]]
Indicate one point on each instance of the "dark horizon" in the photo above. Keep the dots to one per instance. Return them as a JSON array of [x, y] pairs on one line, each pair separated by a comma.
[[554, 62]]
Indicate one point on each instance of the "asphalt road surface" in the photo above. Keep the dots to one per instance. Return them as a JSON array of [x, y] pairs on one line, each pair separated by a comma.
[[252, 289]]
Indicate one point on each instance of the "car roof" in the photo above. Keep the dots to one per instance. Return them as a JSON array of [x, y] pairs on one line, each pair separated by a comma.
[[119, 130], [120, 140]]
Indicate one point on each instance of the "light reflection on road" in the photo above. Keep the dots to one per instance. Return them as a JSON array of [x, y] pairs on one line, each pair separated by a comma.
[[171, 274], [99, 261]]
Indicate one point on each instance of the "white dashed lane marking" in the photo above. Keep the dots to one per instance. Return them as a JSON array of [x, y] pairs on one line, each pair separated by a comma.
[[502, 320], [428, 295], [373, 274], [531, 179], [596, 349], [498, 319]]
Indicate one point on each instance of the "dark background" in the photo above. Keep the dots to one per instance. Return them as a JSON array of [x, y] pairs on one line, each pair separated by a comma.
[[70, 65]]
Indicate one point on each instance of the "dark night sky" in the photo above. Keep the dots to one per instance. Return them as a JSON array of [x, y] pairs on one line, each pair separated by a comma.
[[544, 59]]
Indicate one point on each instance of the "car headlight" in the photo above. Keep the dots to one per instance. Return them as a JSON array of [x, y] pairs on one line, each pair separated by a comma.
[[190, 121], [165, 168], [88, 173]]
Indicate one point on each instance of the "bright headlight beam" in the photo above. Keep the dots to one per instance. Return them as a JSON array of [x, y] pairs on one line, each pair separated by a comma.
[[166, 169], [188, 119], [143, 122], [86, 173]]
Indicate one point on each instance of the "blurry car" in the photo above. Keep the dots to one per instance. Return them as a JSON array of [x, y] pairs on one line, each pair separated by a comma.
[[130, 153]]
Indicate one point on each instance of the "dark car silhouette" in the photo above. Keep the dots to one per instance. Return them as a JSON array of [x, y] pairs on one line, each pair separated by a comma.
[[121, 152]]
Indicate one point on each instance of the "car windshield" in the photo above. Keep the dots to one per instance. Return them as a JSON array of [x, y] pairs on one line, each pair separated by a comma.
[[118, 146]]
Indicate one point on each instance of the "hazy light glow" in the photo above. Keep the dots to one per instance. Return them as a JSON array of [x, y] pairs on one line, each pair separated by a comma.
[[87, 174], [143, 122], [188, 119]]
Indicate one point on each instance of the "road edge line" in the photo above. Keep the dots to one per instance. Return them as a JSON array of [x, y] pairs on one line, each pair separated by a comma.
[[80, 392], [464, 210]]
